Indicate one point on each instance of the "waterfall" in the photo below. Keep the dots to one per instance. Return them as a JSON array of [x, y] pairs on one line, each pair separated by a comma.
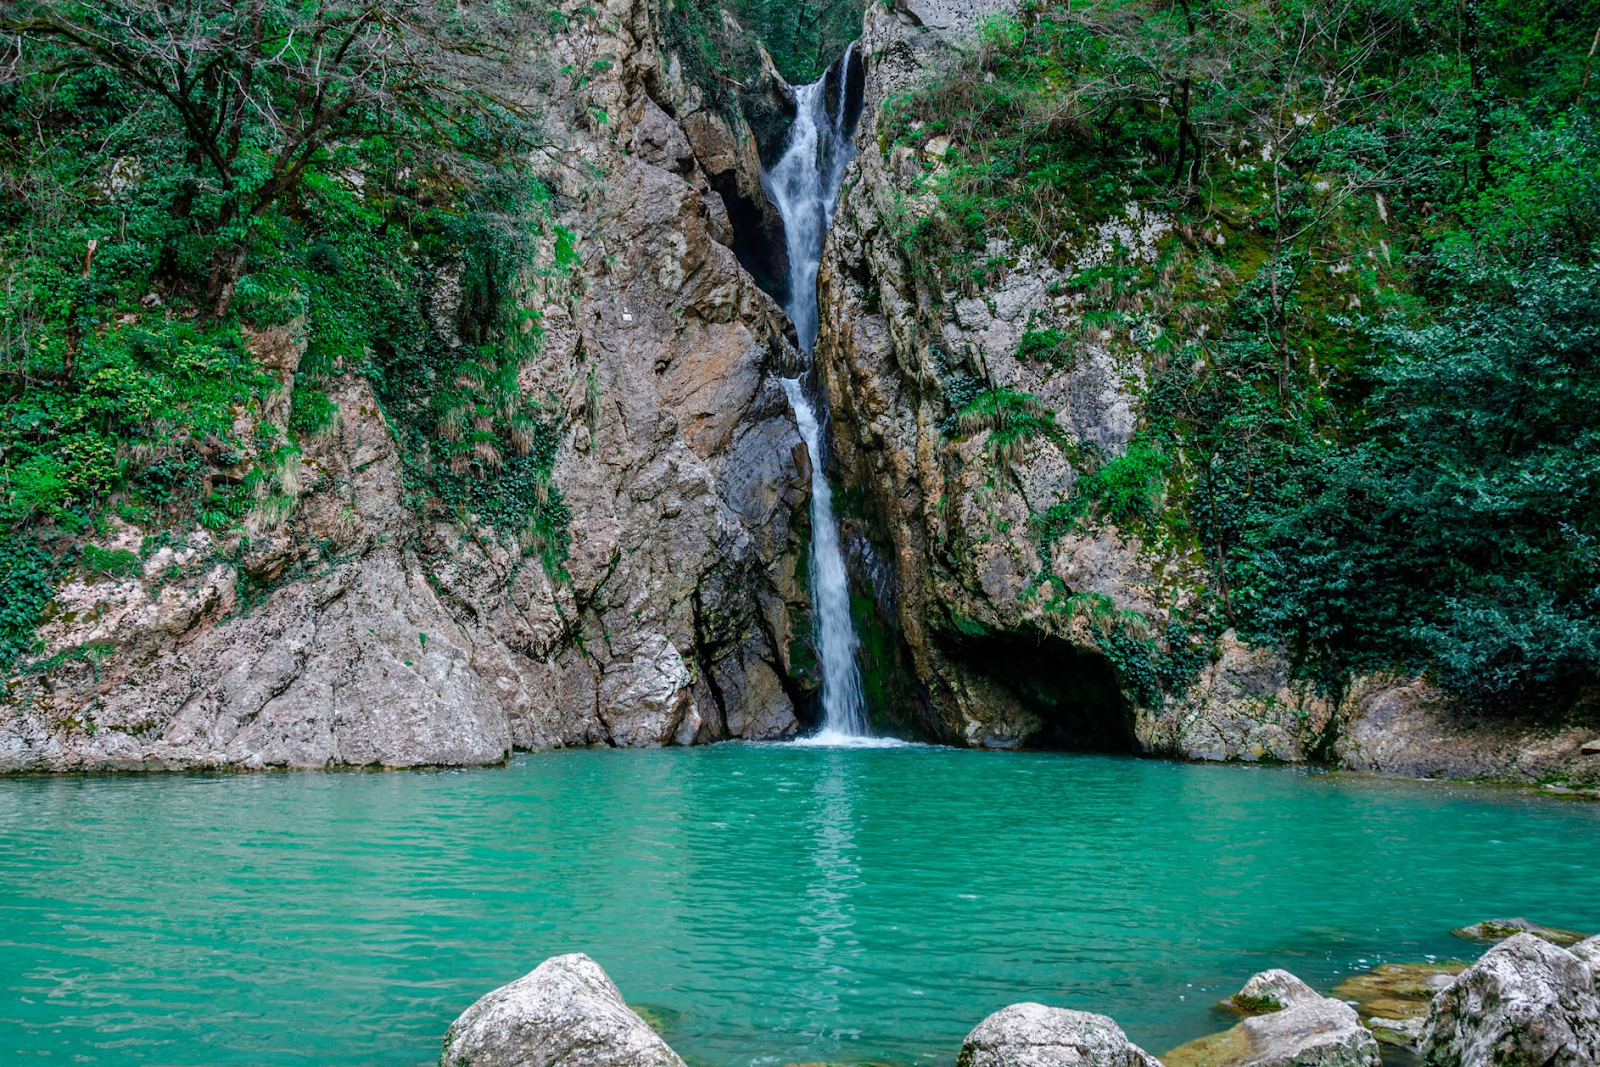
[[804, 186]]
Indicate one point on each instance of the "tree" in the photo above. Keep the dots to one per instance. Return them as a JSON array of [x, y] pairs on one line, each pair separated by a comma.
[[260, 87]]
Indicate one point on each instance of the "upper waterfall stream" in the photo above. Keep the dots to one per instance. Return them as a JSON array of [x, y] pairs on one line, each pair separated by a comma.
[[804, 186]]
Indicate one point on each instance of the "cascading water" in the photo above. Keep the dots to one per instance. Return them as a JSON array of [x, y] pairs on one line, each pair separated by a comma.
[[804, 186]]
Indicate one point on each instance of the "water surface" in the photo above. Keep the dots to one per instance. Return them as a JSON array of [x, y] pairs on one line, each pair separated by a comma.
[[772, 904]]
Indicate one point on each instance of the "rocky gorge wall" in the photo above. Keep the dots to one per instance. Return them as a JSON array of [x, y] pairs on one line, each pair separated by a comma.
[[358, 631], [1011, 639], [355, 630]]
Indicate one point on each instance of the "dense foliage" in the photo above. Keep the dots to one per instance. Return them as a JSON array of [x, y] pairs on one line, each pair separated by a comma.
[[1370, 334], [802, 38], [720, 45], [180, 178]]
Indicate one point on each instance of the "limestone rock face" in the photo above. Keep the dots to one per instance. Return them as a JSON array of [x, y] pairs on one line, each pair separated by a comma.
[[1407, 727], [356, 630], [566, 1012], [1243, 707], [1526, 1003], [1032, 1035], [1006, 639], [1307, 1030], [954, 543]]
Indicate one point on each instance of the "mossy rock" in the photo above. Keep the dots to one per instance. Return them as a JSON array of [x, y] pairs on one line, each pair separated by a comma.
[[1398, 990], [1500, 929], [1230, 1046], [1393, 998], [1245, 1004]]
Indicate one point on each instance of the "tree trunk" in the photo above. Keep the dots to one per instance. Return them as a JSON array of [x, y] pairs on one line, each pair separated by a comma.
[[227, 267], [1480, 97]]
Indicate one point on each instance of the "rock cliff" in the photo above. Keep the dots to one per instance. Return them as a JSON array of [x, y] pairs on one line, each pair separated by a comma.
[[354, 630], [1011, 635]]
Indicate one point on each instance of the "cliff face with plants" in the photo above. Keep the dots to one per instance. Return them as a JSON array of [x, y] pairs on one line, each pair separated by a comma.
[[1212, 378], [466, 439]]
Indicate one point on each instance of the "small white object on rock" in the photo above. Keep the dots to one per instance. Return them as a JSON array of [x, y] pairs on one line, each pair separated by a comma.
[[1032, 1035], [1526, 1003], [566, 1012]]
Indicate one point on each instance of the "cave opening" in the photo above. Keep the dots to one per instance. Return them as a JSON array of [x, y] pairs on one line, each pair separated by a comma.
[[1072, 690]]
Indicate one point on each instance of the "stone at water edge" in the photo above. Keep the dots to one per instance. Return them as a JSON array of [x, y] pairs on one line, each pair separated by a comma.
[[1272, 991], [1032, 1035], [1308, 1030], [1500, 929], [567, 1012], [1526, 1003], [1393, 998]]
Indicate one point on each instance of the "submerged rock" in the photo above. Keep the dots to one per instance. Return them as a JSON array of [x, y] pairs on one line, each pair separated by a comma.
[[1500, 929], [567, 1012], [1307, 1029], [1032, 1035], [1526, 1003], [1393, 999]]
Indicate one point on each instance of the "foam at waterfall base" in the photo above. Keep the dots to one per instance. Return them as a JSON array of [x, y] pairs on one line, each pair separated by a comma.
[[837, 739]]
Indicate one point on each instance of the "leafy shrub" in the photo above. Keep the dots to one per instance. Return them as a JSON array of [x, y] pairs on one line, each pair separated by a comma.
[[311, 411], [1050, 346], [1010, 419], [27, 576]]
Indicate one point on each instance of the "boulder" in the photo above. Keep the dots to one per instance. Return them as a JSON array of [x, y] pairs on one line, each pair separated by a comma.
[[1500, 929], [1526, 1003], [1271, 991], [1032, 1035], [567, 1012], [1588, 950], [1305, 1029]]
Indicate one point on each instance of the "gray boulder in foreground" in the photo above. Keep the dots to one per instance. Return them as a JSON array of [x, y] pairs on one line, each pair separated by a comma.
[[1305, 1029], [1588, 950], [1526, 1003], [1032, 1035], [567, 1012]]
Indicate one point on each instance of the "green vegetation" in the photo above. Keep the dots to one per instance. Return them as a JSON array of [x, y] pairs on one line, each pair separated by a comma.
[[1255, 1004], [182, 187], [1008, 420], [803, 39], [1123, 490], [720, 45], [1354, 245]]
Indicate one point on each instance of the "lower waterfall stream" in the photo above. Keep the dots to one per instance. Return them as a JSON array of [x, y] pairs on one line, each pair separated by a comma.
[[804, 186]]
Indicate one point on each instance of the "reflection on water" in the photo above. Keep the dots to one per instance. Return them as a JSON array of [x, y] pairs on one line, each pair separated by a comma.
[[777, 904], [830, 917]]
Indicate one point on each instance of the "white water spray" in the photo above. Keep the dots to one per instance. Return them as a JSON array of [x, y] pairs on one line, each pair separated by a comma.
[[804, 187]]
